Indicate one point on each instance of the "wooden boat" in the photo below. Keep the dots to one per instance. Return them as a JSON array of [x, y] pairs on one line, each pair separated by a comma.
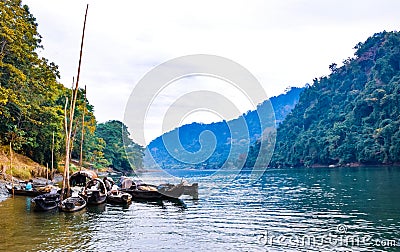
[[118, 197], [171, 190], [191, 189], [31, 193], [142, 191], [46, 202], [95, 192], [80, 178], [73, 204]]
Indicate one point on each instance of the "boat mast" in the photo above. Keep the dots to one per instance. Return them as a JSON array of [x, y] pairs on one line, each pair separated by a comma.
[[52, 158], [11, 171], [83, 130], [66, 187]]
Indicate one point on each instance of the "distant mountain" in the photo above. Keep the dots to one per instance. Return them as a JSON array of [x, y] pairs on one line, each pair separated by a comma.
[[350, 117], [226, 142]]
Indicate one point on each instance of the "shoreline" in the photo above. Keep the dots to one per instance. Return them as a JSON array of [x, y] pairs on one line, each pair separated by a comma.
[[4, 194], [3, 190]]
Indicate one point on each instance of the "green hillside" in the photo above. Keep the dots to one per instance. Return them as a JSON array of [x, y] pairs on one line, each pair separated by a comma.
[[32, 100], [189, 135], [352, 115]]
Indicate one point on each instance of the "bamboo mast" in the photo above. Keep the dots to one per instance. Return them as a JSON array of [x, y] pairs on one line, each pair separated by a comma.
[[12, 179], [52, 158], [66, 186], [66, 147], [83, 129]]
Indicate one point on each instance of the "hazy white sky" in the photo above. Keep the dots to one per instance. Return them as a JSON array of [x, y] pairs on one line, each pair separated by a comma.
[[283, 43]]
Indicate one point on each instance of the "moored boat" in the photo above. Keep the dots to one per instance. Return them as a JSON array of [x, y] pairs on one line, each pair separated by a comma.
[[46, 202], [80, 178], [95, 192], [118, 197], [31, 193], [191, 189], [171, 190], [142, 191], [73, 204]]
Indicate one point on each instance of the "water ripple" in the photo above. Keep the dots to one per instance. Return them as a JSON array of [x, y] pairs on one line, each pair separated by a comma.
[[230, 215]]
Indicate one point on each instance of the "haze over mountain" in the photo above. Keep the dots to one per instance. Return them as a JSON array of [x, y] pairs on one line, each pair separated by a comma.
[[190, 136]]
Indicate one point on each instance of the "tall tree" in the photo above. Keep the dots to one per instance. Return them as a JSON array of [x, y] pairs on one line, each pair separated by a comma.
[[28, 85], [120, 150], [350, 116]]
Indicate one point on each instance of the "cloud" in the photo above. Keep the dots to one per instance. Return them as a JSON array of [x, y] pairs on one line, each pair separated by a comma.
[[283, 43]]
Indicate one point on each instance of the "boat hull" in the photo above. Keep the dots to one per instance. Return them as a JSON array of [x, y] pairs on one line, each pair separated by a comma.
[[191, 190], [73, 204], [46, 202], [23, 192], [138, 194], [95, 192], [171, 191], [95, 198], [119, 198]]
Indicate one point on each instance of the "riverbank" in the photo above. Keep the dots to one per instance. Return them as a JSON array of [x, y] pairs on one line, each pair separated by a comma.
[[4, 194], [3, 190], [22, 166]]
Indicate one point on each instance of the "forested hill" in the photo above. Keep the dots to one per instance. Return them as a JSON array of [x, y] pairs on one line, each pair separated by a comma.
[[189, 134], [32, 102], [350, 116]]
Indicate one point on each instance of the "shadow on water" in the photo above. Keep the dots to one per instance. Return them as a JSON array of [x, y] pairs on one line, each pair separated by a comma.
[[98, 209]]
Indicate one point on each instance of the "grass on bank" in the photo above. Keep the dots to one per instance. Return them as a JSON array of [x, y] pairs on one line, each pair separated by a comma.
[[22, 166], [25, 168]]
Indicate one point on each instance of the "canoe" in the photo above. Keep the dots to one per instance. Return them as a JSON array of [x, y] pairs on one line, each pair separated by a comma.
[[46, 202], [80, 178], [143, 193], [152, 192], [191, 190], [31, 193], [73, 204], [171, 190], [119, 198], [95, 192]]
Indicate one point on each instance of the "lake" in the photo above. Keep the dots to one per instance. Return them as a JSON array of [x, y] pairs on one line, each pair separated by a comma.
[[302, 209]]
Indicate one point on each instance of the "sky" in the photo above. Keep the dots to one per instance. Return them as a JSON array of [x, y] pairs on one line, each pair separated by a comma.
[[282, 43]]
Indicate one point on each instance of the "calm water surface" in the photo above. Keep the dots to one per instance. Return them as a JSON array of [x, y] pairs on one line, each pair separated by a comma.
[[339, 209]]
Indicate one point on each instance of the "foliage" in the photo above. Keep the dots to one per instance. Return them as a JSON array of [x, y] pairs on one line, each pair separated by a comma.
[[350, 116], [28, 88], [93, 146], [226, 141], [32, 100], [120, 150]]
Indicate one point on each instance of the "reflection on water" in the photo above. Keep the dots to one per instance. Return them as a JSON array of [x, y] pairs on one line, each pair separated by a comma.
[[340, 203]]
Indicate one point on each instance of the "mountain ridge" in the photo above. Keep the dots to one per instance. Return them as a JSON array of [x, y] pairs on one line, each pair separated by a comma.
[[189, 136], [351, 116]]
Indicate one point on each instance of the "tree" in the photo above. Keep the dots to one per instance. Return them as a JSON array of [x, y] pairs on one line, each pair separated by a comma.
[[352, 115], [120, 150], [29, 90]]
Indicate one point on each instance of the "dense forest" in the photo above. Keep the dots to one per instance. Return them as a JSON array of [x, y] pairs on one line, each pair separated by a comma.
[[228, 137], [121, 152], [351, 116], [32, 101]]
